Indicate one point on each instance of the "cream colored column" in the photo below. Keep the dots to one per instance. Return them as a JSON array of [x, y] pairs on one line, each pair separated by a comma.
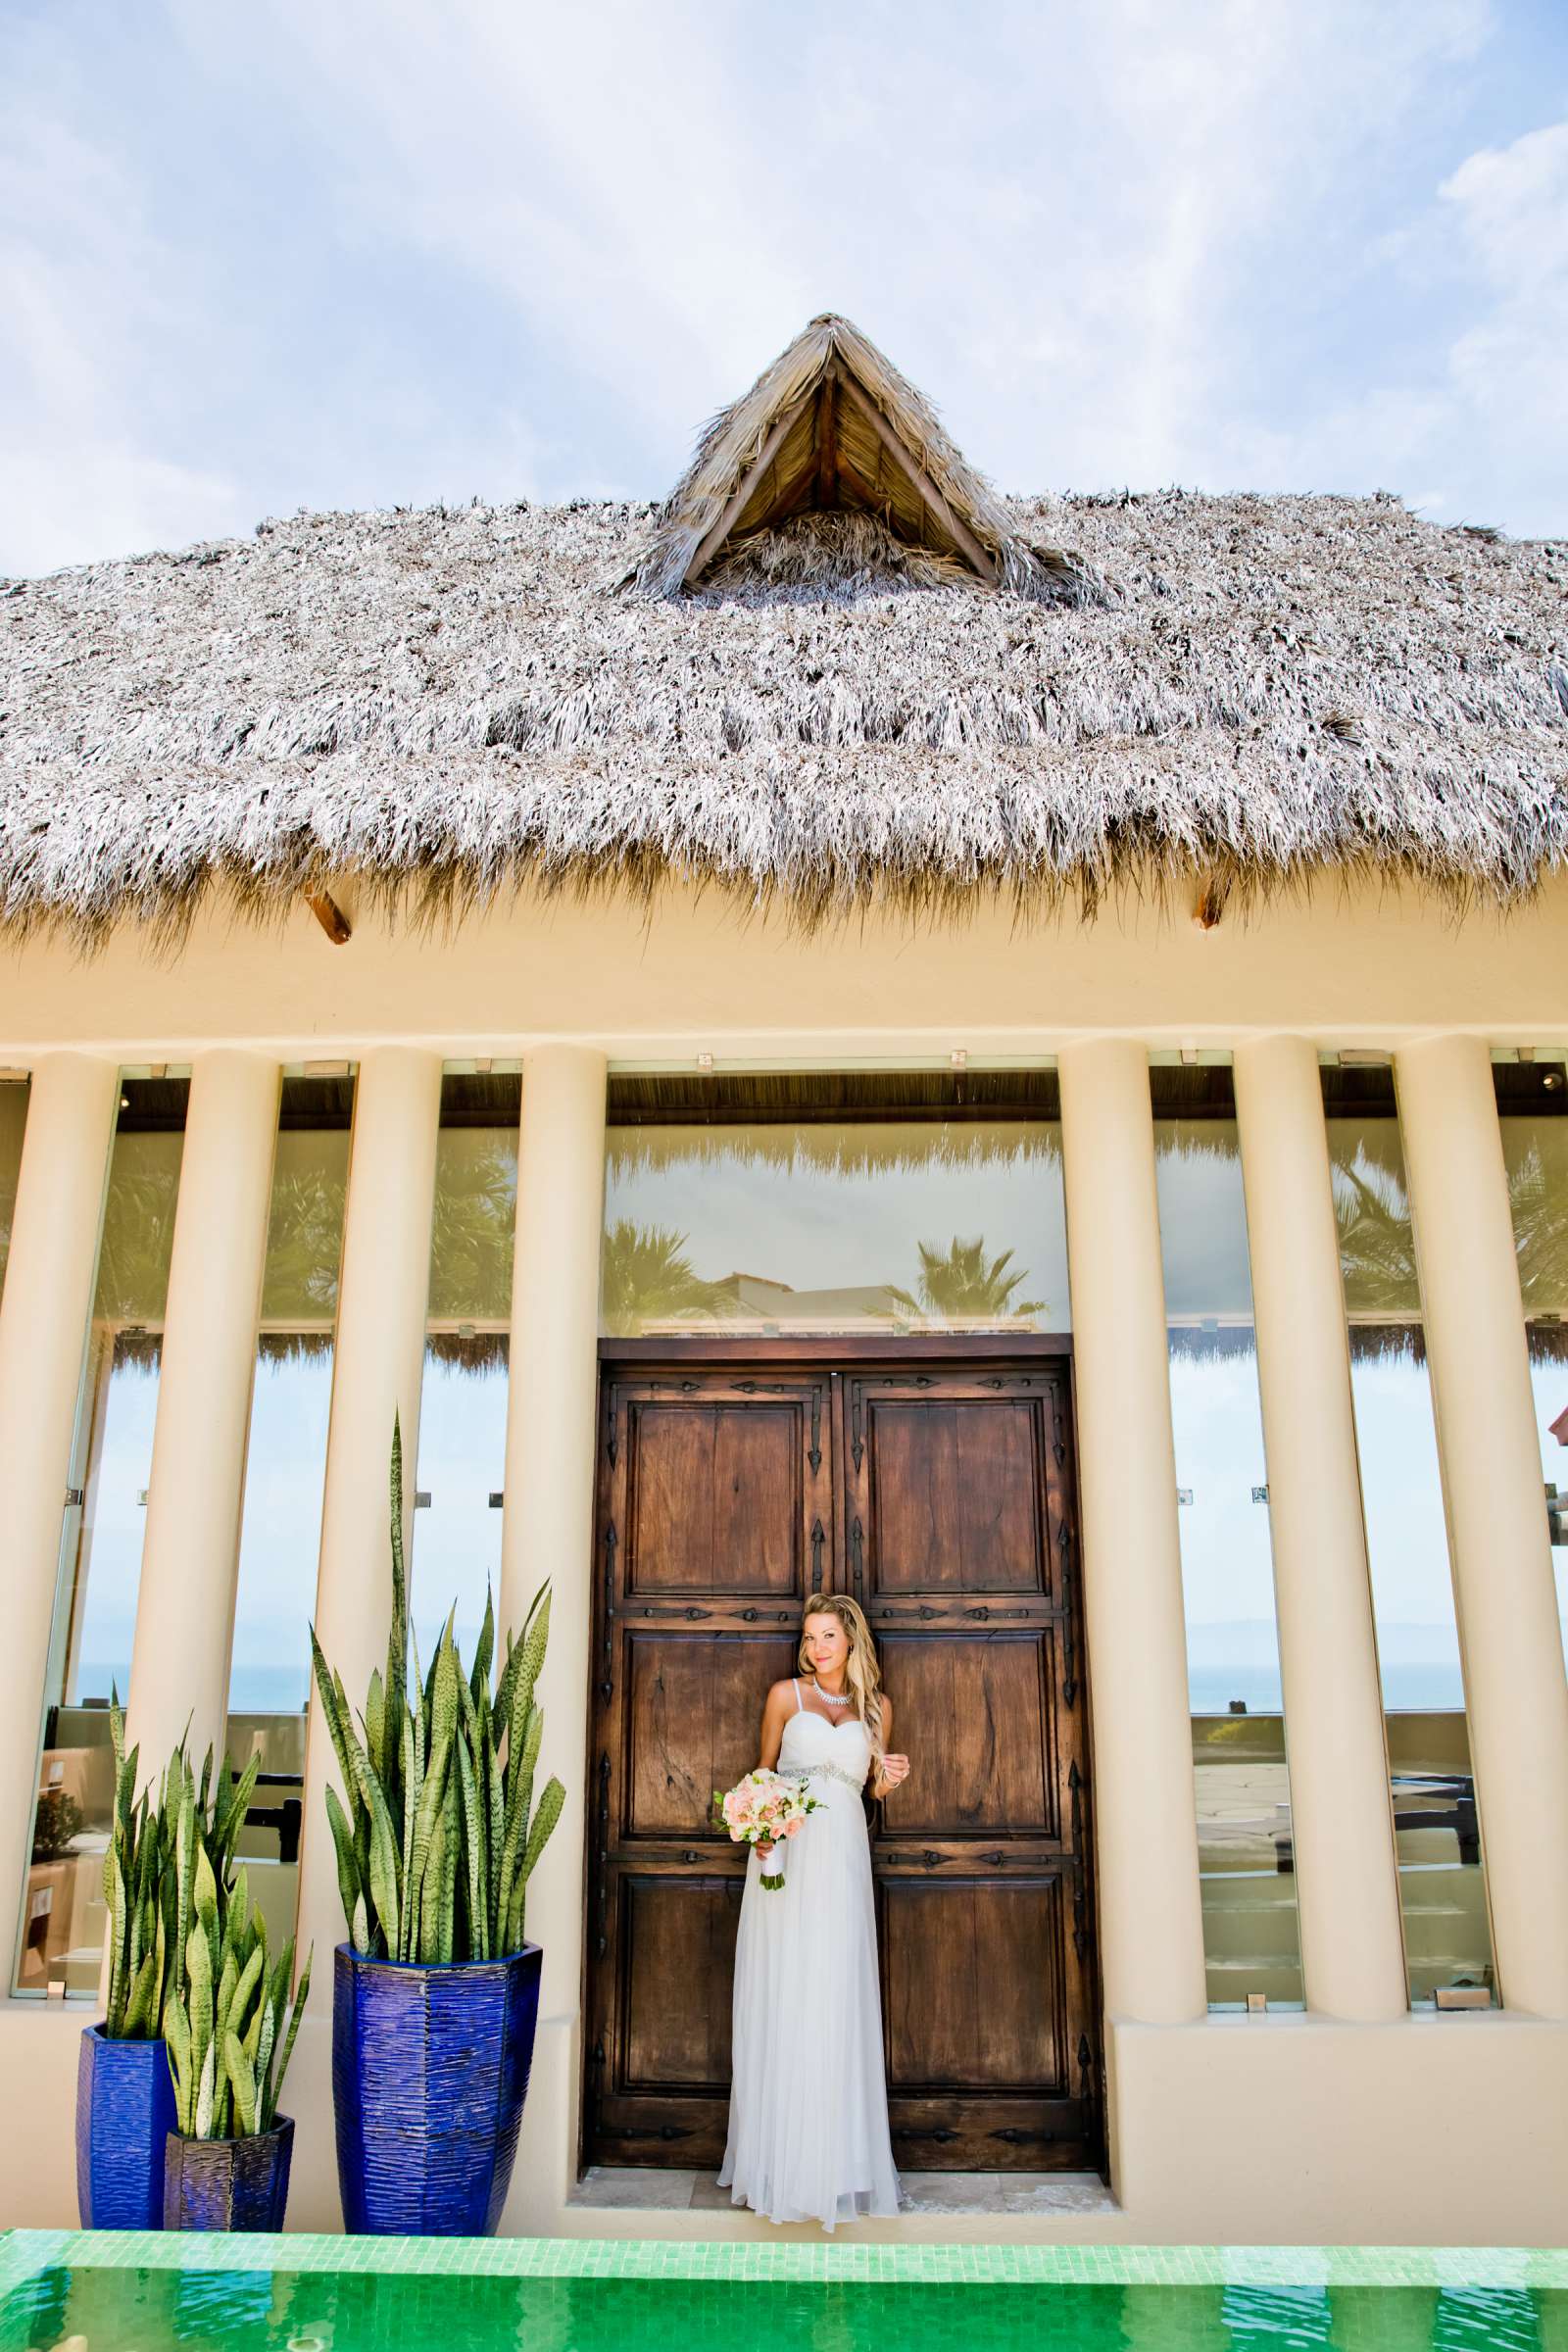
[[377, 1373], [1146, 1833], [1352, 1954], [43, 1320], [1516, 1695], [190, 1544], [548, 1525]]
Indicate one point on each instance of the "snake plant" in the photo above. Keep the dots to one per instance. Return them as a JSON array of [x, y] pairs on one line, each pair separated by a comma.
[[228, 2048], [442, 1831], [150, 1872]]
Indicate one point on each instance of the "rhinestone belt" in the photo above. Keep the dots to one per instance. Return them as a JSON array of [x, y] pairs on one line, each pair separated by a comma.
[[824, 1772]]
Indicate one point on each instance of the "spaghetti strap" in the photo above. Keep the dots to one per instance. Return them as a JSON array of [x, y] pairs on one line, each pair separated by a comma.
[[795, 1686]]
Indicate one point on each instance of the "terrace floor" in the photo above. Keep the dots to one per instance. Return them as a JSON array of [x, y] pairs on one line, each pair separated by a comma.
[[633, 2188]]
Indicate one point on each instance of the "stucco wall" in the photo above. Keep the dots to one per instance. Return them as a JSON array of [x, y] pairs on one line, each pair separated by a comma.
[[1268, 2128], [1349, 966]]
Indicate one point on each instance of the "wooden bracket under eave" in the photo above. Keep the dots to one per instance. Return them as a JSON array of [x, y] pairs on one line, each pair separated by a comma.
[[330, 915], [1210, 902]]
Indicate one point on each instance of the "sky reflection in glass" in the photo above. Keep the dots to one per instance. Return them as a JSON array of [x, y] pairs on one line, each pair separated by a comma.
[[806, 1228]]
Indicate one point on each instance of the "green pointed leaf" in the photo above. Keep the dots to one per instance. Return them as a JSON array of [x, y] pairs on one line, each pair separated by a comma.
[[413, 1785], [140, 2020], [334, 1711], [176, 2032], [238, 2015], [206, 1898], [349, 1883], [206, 2096], [485, 1650], [260, 2058], [530, 1658], [505, 1688], [443, 1705], [383, 1867], [375, 1726], [544, 1821], [224, 1997], [199, 1973], [118, 1939], [233, 1818], [472, 1848], [242, 2079], [397, 1646], [301, 1997], [429, 1949]]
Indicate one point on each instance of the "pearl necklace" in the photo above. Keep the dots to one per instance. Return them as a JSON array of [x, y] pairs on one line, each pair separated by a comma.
[[829, 1697]]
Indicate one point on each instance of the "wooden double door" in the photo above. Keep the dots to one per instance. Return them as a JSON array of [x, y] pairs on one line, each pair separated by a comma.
[[938, 1490]]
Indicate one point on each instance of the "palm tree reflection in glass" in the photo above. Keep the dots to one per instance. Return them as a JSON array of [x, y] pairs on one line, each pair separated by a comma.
[[963, 1287], [648, 1278]]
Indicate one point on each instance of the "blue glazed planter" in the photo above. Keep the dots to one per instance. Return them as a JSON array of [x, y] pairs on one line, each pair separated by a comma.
[[429, 2069], [228, 2183], [124, 2113]]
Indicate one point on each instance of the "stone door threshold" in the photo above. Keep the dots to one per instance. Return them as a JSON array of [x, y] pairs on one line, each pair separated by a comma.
[[636, 2188]]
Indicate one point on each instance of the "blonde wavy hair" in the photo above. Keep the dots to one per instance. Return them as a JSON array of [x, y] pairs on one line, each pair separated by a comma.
[[863, 1676]]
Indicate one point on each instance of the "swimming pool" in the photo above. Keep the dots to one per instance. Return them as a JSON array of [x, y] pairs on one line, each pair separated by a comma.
[[122, 2294]]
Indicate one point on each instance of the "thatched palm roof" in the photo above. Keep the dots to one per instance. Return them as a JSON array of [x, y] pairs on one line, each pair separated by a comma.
[[452, 702], [832, 429]]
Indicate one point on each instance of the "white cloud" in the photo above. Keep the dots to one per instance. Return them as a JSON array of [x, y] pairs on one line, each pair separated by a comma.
[[526, 251], [72, 500], [1510, 369], [84, 292]]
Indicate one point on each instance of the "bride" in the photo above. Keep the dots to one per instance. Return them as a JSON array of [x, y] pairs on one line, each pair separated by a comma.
[[809, 2104]]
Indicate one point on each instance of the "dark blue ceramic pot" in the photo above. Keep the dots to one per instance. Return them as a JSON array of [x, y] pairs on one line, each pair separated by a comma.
[[228, 2183], [124, 2113], [429, 2069]]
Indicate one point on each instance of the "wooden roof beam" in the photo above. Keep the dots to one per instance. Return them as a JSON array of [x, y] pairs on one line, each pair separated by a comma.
[[736, 505], [959, 532], [827, 445], [330, 915]]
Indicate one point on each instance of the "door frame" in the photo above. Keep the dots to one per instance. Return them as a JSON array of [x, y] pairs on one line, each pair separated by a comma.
[[712, 1349]]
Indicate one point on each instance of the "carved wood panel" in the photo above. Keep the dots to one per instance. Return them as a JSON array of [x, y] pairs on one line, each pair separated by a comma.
[[942, 1497], [958, 1512]]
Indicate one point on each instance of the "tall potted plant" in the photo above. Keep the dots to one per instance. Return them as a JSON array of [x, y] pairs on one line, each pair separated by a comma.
[[229, 2152], [435, 1994], [125, 2093]]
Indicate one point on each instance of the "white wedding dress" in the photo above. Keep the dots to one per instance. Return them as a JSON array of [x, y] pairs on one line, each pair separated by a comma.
[[809, 2104]]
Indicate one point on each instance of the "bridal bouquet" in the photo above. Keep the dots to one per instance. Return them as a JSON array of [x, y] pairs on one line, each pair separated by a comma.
[[764, 1809]]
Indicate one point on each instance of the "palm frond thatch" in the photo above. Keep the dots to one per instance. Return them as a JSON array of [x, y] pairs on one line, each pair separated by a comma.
[[813, 413], [451, 706]]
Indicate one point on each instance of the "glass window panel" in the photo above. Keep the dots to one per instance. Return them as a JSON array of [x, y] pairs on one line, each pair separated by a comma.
[[456, 1554], [285, 1471], [475, 1216], [1251, 1932], [13, 1121], [1448, 1938], [946, 1224], [463, 1453], [1533, 1099], [100, 1570]]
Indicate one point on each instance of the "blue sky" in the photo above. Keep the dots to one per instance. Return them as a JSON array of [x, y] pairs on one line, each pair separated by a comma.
[[366, 252]]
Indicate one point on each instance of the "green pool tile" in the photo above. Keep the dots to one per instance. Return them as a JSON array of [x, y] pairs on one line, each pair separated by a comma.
[[23, 2251], [247, 2294]]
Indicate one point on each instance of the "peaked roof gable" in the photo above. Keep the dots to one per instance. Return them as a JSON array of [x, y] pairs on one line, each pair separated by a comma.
[[832, 429]]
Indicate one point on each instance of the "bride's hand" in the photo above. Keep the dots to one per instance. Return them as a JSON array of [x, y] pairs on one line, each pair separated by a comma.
[[765, 1845], [894, 1770]]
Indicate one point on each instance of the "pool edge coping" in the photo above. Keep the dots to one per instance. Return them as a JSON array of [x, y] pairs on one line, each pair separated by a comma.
[[25, 2253]]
